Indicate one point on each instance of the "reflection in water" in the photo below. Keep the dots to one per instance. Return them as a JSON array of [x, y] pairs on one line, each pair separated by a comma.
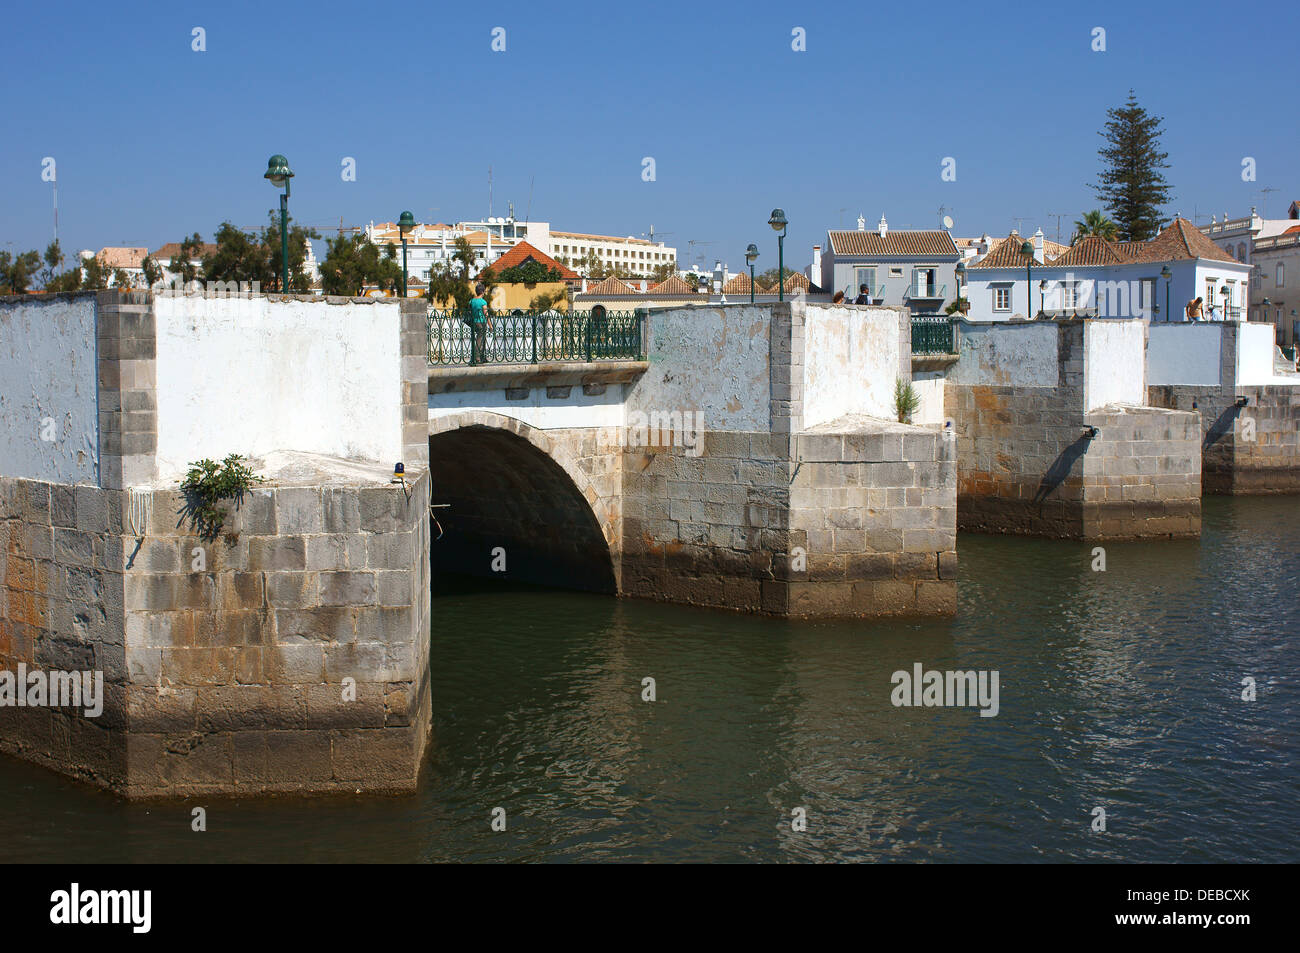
[[1118, 690]]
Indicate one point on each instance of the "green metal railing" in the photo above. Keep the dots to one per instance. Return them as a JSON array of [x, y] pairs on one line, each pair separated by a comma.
[[933, 334], [529, 337]]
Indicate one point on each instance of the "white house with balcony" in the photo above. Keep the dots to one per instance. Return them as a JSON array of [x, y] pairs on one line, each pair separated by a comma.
[[1153, 280]]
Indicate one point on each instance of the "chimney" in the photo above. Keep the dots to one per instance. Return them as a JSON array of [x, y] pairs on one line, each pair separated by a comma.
[[883, 226], [862, 224], [717, 277], [1038, 246], [816, 266]]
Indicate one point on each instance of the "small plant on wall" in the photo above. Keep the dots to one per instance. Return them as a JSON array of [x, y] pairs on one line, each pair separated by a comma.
[[208, 484], [906, 400]]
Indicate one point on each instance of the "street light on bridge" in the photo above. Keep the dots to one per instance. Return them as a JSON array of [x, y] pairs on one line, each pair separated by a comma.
[[778, 223], [751, 253], [277, 170], [405, 223]]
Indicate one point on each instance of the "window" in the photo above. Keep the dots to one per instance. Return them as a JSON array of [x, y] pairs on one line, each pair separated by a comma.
[[896, 272], [923, 282], [1002, 298], [862, 276], [1241, 252], [1209, 292], [1281, 275], [1069, 295]]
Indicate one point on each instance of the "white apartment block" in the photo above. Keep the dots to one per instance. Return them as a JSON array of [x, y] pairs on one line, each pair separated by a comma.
[[493, 237]]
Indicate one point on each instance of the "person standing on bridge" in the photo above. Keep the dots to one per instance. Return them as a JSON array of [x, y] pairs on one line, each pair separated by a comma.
[[480, 324]]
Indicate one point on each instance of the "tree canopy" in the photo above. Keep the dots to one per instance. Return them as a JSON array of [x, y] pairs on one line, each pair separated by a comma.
[[1131, 185]]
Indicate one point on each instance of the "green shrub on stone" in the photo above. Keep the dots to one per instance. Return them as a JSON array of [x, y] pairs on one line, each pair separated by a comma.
[[906, 400], [208, 483]]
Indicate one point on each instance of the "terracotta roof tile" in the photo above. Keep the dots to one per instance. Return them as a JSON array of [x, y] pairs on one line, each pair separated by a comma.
[[1179, 241], [524, 252], [671, 286], [1005, 254], [172, 249], [116, 256], [896, 243], [1091, 250], [611, 286], [739, 285]]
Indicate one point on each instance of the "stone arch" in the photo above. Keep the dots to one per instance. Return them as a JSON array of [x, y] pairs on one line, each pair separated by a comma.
[[517, 486]]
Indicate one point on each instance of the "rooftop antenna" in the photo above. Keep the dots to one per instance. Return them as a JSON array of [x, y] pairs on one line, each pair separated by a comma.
[[1058, 216], [489, 191], [1263, 203]]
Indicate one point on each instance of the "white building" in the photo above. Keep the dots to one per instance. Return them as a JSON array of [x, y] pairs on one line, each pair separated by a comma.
[[1154, 280], [493, 237], [1272, 248]]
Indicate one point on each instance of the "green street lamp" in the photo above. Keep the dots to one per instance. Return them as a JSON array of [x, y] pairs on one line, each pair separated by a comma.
[[778, 223], [1166, 274], [405, 222], [277, 170], [1027, 249], [751, 253]]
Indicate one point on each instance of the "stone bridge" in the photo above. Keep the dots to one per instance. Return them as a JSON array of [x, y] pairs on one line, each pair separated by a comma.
[[745, 464]]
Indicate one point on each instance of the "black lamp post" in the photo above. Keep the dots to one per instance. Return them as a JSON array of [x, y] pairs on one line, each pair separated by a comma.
[[1027, 249], [1166, 274], [961, 274], [1042, 290], [778, 223], [751, 253], [1227, 303], [405, 222], [277, 170]]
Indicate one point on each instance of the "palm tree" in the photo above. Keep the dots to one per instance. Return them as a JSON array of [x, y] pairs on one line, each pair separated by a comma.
[[1095, 223]]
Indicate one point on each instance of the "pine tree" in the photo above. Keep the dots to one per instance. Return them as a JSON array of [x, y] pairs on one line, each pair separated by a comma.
[[1131, 187]]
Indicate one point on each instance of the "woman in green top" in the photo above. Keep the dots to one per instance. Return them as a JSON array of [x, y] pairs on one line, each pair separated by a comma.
[[480, 323]]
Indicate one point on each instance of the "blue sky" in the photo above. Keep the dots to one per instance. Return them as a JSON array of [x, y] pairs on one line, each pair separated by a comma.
[[154, 141]]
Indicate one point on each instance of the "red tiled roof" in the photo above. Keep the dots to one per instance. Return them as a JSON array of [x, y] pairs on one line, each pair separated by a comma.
[[896, 243], [172, 249], [1179, 241], [797, 280], [739, 285], [117, 256], [611, 286], [1005, 254], [1091, 250], [524, 252], [673, 285]]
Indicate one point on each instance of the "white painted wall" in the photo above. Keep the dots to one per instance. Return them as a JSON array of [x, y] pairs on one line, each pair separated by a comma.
[[48, 381], [1007, 355], [252, 375], [929, 387], [851, 362], [1114, 362], [711, 360], [1255, 356], [1186, 354], [538, 410]]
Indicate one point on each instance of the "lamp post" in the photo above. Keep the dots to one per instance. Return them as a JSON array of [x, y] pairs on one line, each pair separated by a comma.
[[277, 170], [751, 253], [1265, 305], [778, 223], [405, 222], [1042, 290], [1166, 274], [1027, 249], [961, 274], [1227, 303]]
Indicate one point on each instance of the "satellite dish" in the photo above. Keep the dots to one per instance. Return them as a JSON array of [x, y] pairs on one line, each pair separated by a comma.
[[947, 221]]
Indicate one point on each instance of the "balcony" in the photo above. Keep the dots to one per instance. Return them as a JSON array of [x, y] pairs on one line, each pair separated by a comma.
[[932, 334]]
